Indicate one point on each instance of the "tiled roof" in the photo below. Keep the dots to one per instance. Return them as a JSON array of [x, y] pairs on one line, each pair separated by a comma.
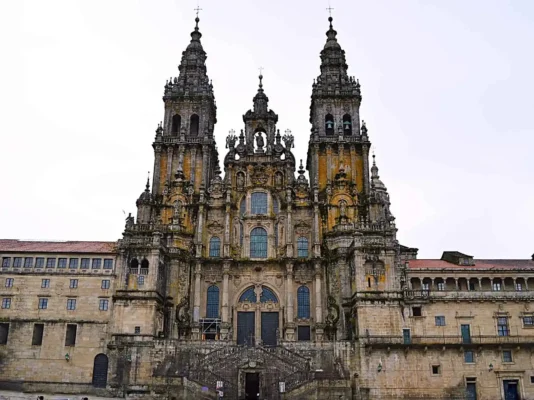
[[479, 264], [13, 245]]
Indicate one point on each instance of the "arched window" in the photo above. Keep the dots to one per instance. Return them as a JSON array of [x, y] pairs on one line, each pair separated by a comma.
[[258, 243], [302, 247], [194, 125], [276, 207], [267, 295], [329, 124], [259, 203], [243, 207], [347, 125], [100, 371], [212, 303], [248, 295], [176, 124], [303, 302], [144, 264], [215, 247], [134, 266]]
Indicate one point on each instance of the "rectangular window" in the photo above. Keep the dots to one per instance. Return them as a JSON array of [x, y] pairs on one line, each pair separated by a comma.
[[71, 304], [440, 320], [43, 303], [6, 302], [140, 280], [472, 286], [507, 356], [416, 311], [28, 262], [103, 305], [50, 263], [426, 286], [436, 369], [39, 262], [137, 330], [469, 356], [496, 286], [406, 336], [519, 287], [70, 336], [17, 262], [97, 263], [6, 262], [108, 263], [302, 247], [304, 333], [85, 263], [441, 286], [105, 283], [73, 263], [4, 332], [528, 321], [9, 282], [62, 263], [45, 283], [38, 331], [73, 284], [502, 326], [259, 203]]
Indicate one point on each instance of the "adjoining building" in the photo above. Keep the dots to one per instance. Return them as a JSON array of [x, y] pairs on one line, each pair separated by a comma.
[[263, 284]]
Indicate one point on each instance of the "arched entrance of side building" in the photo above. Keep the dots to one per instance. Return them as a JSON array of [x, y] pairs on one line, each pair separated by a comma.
[[100, 371], [258, 317]]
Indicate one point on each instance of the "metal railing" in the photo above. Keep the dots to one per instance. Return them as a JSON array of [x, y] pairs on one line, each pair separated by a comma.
[[446, 340]]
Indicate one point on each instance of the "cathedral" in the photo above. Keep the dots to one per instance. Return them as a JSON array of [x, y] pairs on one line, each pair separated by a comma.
[[262, 283]]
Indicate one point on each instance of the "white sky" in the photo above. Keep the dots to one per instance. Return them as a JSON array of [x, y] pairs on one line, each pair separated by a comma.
[[447, 96]]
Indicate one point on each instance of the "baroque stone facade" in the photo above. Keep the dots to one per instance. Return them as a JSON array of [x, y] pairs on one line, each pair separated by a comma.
[[263, 283]]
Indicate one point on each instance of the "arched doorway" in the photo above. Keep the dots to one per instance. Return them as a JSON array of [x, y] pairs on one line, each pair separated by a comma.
[[100, 371], [258, 316]]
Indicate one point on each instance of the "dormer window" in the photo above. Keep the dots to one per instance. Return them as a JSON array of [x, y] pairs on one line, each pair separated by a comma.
[[329, 124]]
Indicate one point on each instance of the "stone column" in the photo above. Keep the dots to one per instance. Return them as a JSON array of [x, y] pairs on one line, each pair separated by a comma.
[[328, 163], [318, 293], [193, 164], [289, 228], [170, 151], [353, 163], [224, 308], [365, 169], [205, 166], [196, 304], [290, 324], [226, 244], [157, 166]]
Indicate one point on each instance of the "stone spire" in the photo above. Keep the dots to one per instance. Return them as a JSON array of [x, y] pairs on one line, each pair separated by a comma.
[[261, 100], [334, 78], [193, 79], [376, 183]]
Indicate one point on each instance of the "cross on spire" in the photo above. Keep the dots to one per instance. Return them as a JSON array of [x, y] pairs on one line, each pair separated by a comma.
[[329, 9], [198, 9], [261, 70]]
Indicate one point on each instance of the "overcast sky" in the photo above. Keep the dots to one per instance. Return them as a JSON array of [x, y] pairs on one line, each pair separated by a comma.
[[447, 96]]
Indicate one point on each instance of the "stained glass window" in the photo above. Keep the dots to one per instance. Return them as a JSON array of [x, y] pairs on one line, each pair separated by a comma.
[[212, 305], [258, 243], [259, 203], [302, 247], [215, 247], [267, 295], [248, 295], [303, 302]]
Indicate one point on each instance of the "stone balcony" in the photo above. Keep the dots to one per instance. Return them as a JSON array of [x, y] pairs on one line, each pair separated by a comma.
[[448, 341]]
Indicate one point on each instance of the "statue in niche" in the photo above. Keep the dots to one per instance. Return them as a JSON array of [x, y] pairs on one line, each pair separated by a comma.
[[278, 180], [240, 181], [260, 142], [343, 219]]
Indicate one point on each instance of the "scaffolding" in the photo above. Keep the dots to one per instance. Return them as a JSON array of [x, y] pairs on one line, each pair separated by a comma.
[[211, 328]]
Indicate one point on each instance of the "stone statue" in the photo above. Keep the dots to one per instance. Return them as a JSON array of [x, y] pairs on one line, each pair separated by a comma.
[[240, 180], [129, 221], [260, 142], [343, 209]]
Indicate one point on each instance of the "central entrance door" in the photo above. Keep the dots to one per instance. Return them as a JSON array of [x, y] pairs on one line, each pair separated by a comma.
[[269, 328], [245, 328], [511, 391], [252, 386]]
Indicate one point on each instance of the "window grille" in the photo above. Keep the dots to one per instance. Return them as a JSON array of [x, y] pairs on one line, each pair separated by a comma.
[[212, 304], [259, 203], [215, 247], [303, 302], [302, 247], [258, 243]]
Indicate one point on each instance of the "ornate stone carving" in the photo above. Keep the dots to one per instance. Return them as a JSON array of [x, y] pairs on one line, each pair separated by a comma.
[[259, 175]]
